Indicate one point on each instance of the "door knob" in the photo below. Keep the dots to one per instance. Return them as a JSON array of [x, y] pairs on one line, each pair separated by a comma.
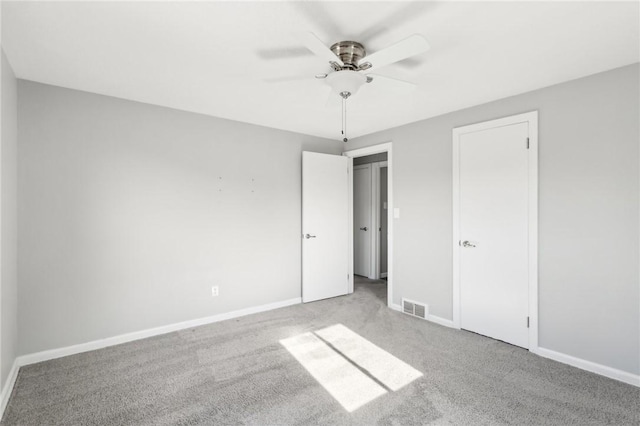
[[468, 244], [307, 236], [363, 229]]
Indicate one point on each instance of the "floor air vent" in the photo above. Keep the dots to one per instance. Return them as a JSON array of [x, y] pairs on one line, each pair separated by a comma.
[[414, 308]]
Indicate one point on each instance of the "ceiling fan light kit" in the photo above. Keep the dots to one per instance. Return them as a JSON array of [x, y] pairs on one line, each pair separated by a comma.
[[346, 81]]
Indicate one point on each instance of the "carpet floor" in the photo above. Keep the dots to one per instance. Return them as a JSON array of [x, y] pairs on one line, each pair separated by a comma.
[[238, 372]]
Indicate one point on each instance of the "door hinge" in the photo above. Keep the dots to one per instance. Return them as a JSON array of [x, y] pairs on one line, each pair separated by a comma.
[[527, 143], [527, 322]]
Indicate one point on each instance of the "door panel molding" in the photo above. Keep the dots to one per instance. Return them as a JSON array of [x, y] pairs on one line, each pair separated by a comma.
[[532, 163]]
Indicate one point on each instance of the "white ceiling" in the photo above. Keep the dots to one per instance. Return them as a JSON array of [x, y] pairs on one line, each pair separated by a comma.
[[228, 59]]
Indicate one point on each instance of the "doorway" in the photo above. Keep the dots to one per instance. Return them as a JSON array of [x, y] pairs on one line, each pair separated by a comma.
[[370, 216], [326, 202], [495, 229], [372, 228]]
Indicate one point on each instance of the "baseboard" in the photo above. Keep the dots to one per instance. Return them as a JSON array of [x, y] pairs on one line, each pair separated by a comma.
[[143, 334], [8, 387], [432, 318], [603, 370], [441, 321], [383, 275]]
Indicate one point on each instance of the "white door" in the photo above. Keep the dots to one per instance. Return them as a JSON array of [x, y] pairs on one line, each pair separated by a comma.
[[362, 220], [325, 226], [493, 215]]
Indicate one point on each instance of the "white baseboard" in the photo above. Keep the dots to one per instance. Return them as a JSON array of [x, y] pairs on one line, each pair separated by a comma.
[[623, 376], [441, 321], [124, 338], [383, 275], [8, 387], [432, 318], [137, 335], [603, 370]]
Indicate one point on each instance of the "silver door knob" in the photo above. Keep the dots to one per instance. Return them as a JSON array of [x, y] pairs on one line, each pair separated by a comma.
[[468, 244], [364, 228], [307, 236]]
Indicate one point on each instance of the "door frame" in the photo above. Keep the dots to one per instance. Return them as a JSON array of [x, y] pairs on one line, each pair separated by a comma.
[[361, 152], [531, 118]]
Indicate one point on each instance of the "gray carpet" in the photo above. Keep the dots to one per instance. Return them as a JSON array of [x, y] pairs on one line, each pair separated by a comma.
[[237, 372]]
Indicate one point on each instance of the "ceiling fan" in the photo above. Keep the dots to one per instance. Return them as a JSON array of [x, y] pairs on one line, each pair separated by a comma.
[[348, 65], [351, 66], [347, 55]]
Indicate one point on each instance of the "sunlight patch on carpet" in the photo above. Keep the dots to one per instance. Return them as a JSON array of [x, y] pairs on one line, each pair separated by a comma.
[[348, 385], [353, 370], [386, 368]]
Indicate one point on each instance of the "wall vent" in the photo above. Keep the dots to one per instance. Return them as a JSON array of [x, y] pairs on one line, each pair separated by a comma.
[[415, 309]]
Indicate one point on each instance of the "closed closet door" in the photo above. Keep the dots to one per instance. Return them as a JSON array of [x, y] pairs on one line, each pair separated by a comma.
[[493, 245]]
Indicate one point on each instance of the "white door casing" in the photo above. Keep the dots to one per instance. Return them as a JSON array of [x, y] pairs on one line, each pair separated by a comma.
[[495, 211], [325, 226], [362, 220]]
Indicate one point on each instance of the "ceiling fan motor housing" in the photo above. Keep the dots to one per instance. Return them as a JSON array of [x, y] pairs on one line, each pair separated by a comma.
[[349, 52]]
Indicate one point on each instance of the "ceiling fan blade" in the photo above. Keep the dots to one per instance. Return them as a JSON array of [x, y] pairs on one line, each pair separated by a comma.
[[283, 52], [288, 78], [314, 44], [410, 46], [383, 81]]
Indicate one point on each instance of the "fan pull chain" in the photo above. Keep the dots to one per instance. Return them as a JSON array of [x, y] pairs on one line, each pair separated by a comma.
[[344, 96], [344, 119]]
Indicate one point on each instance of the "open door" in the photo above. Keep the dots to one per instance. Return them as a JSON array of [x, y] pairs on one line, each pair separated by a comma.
[[325, 226]]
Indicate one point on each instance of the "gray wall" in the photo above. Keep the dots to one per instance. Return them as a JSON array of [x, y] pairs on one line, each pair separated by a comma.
[[9, 227], [588, 212], [129, 213]]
